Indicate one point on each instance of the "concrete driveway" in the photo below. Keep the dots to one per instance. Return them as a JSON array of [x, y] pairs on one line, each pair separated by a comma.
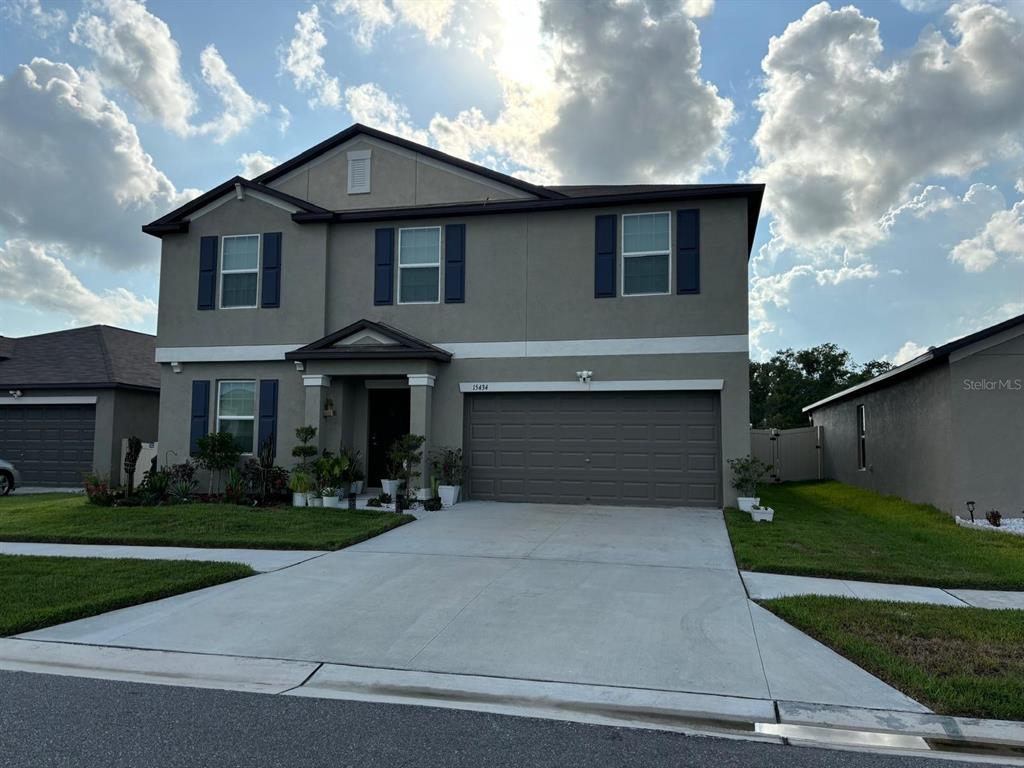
[[641, 598]]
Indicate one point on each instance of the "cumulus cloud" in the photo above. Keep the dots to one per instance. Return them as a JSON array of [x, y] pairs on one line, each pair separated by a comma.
[[285, 118], [843, 135], [370, 105], [31, 12], [74, 171], [305, 62], [1002, 235], [255, 163], [908, 352], [429, 17], [39, 279], [698, 9], [136, 54], [615, 124]]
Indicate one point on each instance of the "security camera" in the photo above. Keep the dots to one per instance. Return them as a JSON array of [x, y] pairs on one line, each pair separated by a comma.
[[15, 393]]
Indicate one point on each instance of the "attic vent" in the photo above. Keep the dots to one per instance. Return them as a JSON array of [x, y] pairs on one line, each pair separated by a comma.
[[359, 172]]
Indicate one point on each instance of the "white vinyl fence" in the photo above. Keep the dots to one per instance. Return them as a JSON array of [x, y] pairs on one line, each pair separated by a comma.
[[793, 454]]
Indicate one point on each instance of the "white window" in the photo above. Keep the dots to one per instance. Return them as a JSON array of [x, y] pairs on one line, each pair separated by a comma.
[[236, 411], [646, 247], [240, 272], [419, 265], [359, 172]]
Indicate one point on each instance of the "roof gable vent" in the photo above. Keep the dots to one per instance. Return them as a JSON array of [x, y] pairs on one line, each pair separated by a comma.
[[359, 172]]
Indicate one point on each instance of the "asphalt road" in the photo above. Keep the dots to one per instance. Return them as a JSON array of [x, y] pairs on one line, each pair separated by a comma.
[[46, 720]]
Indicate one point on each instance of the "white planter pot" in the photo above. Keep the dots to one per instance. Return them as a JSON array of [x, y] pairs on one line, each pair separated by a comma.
[[762, 514], [390, 487], [334, 502], [449, 494], [298, 499], [357, 487], [316, 501], [310, 495], [746, 502]]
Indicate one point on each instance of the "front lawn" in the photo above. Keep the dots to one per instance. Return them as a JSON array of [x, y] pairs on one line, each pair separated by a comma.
[[71, 519], [38, 592], [956, 661], [839, 531]]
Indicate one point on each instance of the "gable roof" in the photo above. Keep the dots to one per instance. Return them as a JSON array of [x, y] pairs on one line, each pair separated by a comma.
[[912, 367], [357, 129], [97, 356], [367, 340]]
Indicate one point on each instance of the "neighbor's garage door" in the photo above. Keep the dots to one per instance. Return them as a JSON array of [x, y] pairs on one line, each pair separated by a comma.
[[49, 444], [595, 447]]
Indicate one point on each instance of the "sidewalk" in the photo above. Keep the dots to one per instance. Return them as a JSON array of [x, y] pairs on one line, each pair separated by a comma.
[[766, 586], [262, 560]]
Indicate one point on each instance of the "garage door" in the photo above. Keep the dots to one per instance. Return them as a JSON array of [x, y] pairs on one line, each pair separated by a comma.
[[49, 444], [595, 447]]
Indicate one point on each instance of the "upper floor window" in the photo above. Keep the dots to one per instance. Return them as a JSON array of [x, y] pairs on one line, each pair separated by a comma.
[[419, 265], [239, 272], [862, 438], [236, 411], [359, 172], [646, 244]]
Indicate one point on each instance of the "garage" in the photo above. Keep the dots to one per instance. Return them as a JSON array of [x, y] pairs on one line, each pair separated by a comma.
[[49, 444], [627, 448]]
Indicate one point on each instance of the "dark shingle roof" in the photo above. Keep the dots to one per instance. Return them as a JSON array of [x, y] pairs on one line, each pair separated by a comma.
[[95, 356]]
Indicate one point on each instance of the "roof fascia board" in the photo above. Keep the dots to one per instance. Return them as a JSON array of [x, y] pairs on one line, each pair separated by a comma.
[[982, 344], [227, 197], [871, 383]]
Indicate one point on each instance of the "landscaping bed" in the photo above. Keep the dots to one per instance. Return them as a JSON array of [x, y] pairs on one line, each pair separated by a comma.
[[956, 661], [37, 592], [71, 519], [838, 531]]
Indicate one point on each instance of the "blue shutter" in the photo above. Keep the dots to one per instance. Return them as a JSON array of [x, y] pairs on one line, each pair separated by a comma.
[[207, 272], [384, 266], [455, 263], [200, 414], [688, 248], [271, 290], [604, 256], [268, 414]]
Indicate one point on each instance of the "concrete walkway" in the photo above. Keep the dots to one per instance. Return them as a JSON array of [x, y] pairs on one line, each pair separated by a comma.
[[262, 560], [765, 586]]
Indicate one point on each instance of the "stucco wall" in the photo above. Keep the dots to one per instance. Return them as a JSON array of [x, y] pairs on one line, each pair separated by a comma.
[[133, 413]]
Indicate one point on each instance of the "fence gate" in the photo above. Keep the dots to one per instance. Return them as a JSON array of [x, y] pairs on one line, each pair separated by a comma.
[[793, 454]]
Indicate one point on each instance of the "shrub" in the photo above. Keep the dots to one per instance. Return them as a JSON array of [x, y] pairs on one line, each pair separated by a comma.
[[180, 491], [304, 452], [186, 471], [404, 458], [994, 518], [154, 487], [218, 451], [98, 491], [131, 461], [379, 501], [432, 504], [448, 463], [234, 490], [747, 474], [300, 482]]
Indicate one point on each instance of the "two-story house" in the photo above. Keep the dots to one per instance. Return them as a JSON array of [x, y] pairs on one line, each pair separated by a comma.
[[580, 343]]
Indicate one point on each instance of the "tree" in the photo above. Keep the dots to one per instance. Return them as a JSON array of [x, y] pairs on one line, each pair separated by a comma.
[[218, 451], [781, 386]]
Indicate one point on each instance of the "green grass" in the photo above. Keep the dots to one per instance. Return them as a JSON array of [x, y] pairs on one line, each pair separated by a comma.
[[71, 519], [956, 661], [839, 531], [38, 592]]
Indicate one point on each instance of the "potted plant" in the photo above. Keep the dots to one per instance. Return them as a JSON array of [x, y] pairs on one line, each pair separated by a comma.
[[747, 473], [403, 459], [299, 484], [448, 463], [353, 474], [330, 498], [761, 514]]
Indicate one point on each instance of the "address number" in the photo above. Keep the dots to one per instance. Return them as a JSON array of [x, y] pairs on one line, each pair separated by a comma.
[[480, 387]]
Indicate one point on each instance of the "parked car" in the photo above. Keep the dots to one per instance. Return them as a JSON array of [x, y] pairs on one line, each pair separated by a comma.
[[9, 477]]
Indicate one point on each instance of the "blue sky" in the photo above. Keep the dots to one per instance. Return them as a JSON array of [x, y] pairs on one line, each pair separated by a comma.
[[889, 134]]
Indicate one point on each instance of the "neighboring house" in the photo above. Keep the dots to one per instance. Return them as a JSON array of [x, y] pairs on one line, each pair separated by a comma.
[[580, 343], [945, 428], [68, 398]]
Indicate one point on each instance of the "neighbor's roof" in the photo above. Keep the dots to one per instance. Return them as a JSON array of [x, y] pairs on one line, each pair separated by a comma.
[[912, 367], [97, 356]]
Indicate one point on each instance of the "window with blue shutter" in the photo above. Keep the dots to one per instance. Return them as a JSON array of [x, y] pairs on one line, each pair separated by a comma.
[[271, 289], [688, 251], [455, 263], [200, 415], [207, 272], [268, 415], [384, 266], [604, 256]]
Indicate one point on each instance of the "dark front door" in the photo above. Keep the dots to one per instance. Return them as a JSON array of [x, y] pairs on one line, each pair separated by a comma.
[[388, 419]]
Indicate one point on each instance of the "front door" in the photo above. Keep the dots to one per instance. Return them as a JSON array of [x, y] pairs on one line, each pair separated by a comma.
[[387, 420]]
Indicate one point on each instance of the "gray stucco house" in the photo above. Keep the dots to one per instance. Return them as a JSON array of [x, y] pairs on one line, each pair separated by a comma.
[[944, 428], [582, 344], [68, 398]]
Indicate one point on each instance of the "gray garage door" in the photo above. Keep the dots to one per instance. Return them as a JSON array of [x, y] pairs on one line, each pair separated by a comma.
[[595, 447], [49, 444]]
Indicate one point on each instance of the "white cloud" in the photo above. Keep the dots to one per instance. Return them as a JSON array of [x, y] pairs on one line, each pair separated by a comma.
[[32, 13], [255, 163], [371, 16], [36, 278], [370, 105], [285, 121], [1019, 186], [430, 17], [305, 62], [240, 108], [74, 171], [908, 352], [1002, 235], [698, 9], [843, 136]]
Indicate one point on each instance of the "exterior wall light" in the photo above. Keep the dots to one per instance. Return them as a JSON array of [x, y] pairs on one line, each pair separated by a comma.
[[970, 508]]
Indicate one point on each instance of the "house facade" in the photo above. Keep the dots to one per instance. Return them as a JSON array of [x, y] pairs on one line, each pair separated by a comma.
[[944, 429], [581, 344]]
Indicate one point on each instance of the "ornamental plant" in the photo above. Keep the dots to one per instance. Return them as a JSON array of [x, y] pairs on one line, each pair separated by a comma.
[[305, 452], [218, 451], [747, 473], [448, 463]]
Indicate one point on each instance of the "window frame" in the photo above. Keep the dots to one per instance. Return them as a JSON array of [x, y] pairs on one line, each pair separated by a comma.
[[862, 437], [255, 410], [438, 265], [221, 271], [623, 255]]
